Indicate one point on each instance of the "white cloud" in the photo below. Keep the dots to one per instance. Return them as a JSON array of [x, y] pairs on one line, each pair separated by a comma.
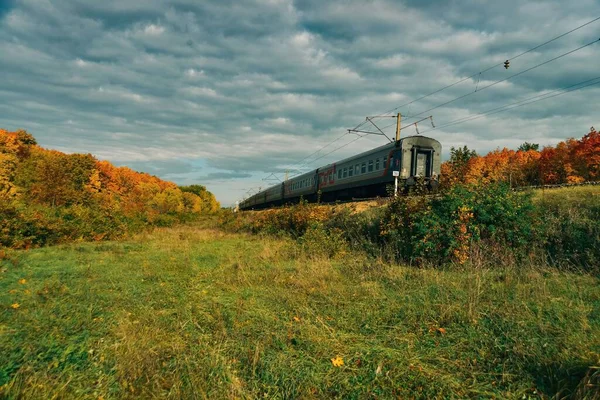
[[153, 30]]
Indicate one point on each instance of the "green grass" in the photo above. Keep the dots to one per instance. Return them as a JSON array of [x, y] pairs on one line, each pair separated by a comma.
[[193, 312]]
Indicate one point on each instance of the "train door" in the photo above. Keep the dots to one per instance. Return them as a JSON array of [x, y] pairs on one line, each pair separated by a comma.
[[422, 162]]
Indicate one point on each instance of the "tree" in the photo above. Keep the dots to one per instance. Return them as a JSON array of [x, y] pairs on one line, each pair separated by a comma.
[[461, 156], [529, 146], [455, 170], [586, 155], [209, 202], [198, 190]]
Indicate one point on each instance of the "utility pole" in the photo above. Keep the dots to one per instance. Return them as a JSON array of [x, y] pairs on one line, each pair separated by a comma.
[[398, 122], [396, 173]]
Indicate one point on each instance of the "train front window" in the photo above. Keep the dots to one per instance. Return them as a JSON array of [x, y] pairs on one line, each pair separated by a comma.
[[421, 164]]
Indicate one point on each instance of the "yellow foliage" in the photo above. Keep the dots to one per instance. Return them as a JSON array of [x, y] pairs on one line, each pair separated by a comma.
[[337, 361]]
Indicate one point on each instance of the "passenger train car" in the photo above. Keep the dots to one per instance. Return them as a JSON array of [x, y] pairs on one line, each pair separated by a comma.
[[364, 175]]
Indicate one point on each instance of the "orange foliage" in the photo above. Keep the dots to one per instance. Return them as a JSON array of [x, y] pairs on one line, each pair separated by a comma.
[[571, 161], [51, 178]]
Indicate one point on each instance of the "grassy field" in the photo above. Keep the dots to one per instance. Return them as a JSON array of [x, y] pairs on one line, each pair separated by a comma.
[[194, 312]]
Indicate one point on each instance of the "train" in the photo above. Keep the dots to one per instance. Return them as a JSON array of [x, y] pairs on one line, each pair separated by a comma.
[[368, 174]]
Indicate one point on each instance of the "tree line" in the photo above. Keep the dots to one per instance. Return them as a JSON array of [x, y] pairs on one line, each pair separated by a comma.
[[47, 196], [570, 161]]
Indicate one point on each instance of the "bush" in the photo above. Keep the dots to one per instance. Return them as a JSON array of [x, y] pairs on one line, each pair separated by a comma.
[[24, 228], [361, 230], [293, 220], [444, 227], [569, 227], [319, 241], [27, 226], [478, 223]]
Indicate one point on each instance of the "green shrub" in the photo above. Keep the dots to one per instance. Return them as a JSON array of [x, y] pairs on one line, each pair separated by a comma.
[[444, 227], [318, 241], [361, 230], [570, 227]]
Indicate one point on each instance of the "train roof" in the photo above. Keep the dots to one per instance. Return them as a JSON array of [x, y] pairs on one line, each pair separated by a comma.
[[387, 146]]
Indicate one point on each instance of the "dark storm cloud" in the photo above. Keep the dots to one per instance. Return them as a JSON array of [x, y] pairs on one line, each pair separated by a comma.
[[5, 6], [224, 91]]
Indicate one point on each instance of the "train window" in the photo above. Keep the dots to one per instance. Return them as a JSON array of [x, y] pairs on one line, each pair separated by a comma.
[[421, 164], [357, 169], [339, 174], [350, 171], [370, 165], [363, 168], [345, 173], [377, 164]]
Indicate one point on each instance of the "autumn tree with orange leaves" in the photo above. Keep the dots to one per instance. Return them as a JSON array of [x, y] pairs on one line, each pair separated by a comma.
[[47, 196], [571, 161]]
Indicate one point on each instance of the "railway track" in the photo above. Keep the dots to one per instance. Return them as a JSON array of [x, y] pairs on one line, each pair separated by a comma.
[[520, 188]]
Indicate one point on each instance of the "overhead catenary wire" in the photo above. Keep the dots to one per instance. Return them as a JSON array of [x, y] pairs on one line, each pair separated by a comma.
[[524, 102], [507, 78], [477, 90], [464, 79], [521, 103], [460, 97], [527, 101], [491, 67]]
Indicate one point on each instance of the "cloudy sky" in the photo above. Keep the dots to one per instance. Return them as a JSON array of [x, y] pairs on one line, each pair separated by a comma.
[[224, 93]]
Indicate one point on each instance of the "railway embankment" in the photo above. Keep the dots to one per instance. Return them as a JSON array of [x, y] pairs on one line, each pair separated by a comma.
[[489, 224]]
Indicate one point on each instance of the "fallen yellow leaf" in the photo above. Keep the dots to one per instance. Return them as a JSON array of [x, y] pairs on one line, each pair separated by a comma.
[[337, 362], [297, 319], [23, 281], [15, 305], [442, 331]]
